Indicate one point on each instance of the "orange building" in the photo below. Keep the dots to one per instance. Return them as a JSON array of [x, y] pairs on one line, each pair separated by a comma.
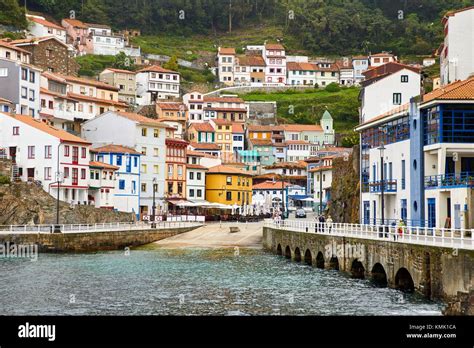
[[175, 189]]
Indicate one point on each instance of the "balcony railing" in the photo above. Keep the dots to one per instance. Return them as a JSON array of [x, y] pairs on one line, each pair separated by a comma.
[[464, 179], [389, 185]]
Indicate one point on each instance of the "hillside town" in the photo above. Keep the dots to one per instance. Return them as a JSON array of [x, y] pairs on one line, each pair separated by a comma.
[[135, 141]]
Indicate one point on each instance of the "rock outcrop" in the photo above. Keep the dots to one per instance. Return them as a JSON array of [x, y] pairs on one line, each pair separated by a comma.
[[344, 203], [26, 203]]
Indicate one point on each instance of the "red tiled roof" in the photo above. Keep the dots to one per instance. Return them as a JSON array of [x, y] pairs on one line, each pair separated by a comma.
[[260, 128], [45, 23], [401, 108], [288, 165], [222, 169], [237, 128], [122, 71], [459, 90], [203, 127], [318, 169], [387, 69], [35, 40], [261, 142], [271, 185], [301, 66], [223, 100], [221, 122], [97, 100], [157, 68], [6, 44], [217, 108], [46, 128], [195, 153], [301, 142], [227, 51], [274, 46], [95, 83], [195, 166], [103, 165], [172, 106], [75, 23], [205, 146], [251, 60], [301, 127], [382, 54], [112, 148]]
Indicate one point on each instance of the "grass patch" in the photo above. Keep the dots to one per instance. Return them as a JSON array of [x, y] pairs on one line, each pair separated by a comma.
[[307, 107], [92, 65]]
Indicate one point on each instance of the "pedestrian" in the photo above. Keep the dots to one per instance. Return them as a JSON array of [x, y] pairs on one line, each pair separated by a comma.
[[329, 223], [322, 220], [401, 225]]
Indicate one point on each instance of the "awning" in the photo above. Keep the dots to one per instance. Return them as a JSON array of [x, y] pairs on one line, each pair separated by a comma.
[[300, 197]]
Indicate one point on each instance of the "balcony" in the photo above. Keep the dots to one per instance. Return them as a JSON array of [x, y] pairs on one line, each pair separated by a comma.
[[464, 179], [389, 186]]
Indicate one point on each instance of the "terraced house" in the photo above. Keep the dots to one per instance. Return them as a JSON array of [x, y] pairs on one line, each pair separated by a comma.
[[228, 185]]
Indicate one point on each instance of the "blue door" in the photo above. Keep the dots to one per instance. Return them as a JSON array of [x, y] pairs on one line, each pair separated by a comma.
[[431, 212], [403, 210], [366, 213]]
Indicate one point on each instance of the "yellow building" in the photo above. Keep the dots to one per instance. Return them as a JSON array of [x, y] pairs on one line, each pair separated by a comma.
[[228, 185], [223, 131], [259, 132]]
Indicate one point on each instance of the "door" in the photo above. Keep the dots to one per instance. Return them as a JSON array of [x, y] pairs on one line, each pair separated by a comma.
[[30, 174], [431, 212], [129, 164], [13, 154], [366, 213], [457, 216]]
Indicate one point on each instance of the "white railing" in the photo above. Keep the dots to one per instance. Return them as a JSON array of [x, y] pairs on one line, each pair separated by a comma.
[[439, 237], [101, 227]]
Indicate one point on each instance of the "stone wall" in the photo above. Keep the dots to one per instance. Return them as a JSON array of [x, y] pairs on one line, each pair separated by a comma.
[[437, 273], [5, 167], [91, 241]]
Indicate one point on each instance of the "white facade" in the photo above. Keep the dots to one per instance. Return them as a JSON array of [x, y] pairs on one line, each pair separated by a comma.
[[156, 83], [34, 148], [457, 56], [275, 61], [108, 44], [360, 64], [39, 27], [225, 64], [142, 134], [389, 93], [298, 150], [381, 59], [194, 102], [195, 179], [102, 185]]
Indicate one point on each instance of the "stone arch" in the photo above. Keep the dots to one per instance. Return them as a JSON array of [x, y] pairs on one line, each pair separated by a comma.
[[279, 251], [357, 269], [334, 263], [379, 276], [308, 258], [288, 252], [320, 260], [297, 255], [404, 281]]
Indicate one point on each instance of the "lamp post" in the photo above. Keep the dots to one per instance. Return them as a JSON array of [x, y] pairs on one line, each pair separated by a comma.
[[57, 228], [153, 208], [321, 191], [382, 181], [282, 178]]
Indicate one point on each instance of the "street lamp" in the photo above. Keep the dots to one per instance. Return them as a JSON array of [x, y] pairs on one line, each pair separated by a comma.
[[382, 183], [153, 208], [321, 189], [59, 177]]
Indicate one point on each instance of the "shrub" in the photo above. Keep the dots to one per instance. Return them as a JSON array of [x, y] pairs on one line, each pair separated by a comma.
[[333, 87], [4, 180]]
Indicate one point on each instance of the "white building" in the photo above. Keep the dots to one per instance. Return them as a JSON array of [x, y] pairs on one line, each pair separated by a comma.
[[102, 184], [196, 177], [275, 64], [238, 137], [39, 27], [322, 181], [127, 184], [110, 45], [360, 64], [387, 87], [194, 102], [37, 150], [346, 72], [225, 64], [154, 83], [143, 134], [326, 73], [301, 74], [11, 52], [457, 54], [20, 84], [379, 59]]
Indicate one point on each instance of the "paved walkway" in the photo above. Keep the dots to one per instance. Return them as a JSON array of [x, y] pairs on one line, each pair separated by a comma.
[[218, 236]]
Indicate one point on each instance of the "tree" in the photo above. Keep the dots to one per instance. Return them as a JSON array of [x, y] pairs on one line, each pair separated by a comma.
[[122, 61], [172, 64], [12, 14]]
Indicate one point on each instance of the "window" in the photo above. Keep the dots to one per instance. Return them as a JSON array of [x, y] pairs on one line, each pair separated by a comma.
[[32, 77], [119, 160], [144, 132], [24, 74], [180, 170], [228, 196], [198, 176], [143, 187], [66, 172], [66, 151], [47, 151], [229, 180], [3, 72], [16, 130], [121, 184], [156, 152], [170, 170], [144, 169], [31, 152], [404, 78], [191, 175], [47, 173], [24, 92], [199, 193], [156, 133], [155, 169], [144, 151], [83, 152], [191, 193], [83, 174], [397, 98]]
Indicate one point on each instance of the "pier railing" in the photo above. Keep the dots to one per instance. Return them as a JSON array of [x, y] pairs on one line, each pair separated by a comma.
[[439, 237], [100, 227]]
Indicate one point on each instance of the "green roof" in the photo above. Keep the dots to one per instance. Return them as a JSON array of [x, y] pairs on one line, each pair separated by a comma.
[[326, 116]]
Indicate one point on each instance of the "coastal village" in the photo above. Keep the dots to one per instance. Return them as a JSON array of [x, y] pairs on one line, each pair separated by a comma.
[[137, 142]]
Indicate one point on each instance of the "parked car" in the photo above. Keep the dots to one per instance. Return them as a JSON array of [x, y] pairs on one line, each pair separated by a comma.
[[300, 213]]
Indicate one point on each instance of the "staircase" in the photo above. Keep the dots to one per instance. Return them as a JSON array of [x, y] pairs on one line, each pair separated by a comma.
[[15, 173]]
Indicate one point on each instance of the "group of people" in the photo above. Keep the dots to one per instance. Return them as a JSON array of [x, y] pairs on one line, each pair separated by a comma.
[[323, 224]]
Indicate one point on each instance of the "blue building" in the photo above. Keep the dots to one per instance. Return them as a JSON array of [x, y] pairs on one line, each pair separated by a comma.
[[127, 190]]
